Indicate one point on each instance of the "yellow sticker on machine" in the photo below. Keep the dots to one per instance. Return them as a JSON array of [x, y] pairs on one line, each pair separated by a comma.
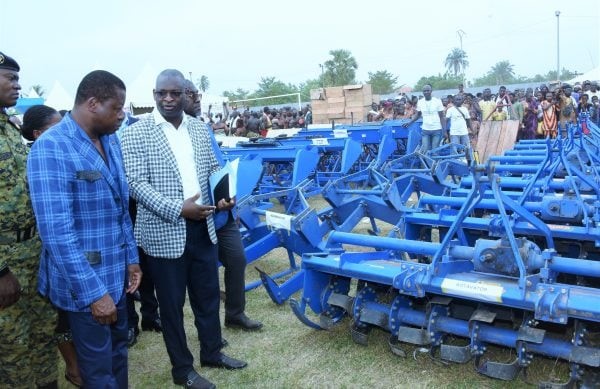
[[478, 290]]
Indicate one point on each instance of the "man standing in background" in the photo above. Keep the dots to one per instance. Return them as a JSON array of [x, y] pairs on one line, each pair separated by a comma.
[[27, 320], [434, 120]]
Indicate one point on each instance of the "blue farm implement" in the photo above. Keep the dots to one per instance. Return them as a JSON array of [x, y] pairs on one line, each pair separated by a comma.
[[504, 254]]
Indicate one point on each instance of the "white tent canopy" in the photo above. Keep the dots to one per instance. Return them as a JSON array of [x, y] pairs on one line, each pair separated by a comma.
[[59, 98], [592, 75], [32, 94], [139, 92]]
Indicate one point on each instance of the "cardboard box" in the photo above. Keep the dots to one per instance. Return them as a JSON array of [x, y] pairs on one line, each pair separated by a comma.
[[334, 91], [357, 115], [336, 100], [317, 94], [320, 118], [319, 105], [360, 88], [343, 121], [356, 103], [337, 108]]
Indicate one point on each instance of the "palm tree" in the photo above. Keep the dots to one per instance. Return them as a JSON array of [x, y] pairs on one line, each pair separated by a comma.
[[504, 72], [203, 83], [38, 89], [456, 62]]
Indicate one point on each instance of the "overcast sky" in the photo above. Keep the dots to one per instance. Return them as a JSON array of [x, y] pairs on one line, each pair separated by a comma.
[[235, 43]]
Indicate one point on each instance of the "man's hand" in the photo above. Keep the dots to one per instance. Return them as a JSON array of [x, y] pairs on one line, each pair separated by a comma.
[[135, 277], [193, 211], [224, 205], [10, 290], [104, 310]]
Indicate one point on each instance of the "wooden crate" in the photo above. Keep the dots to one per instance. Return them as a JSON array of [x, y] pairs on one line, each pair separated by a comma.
[[495, 137]]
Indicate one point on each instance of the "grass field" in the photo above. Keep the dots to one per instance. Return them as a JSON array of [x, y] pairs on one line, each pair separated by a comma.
[[287, 354]]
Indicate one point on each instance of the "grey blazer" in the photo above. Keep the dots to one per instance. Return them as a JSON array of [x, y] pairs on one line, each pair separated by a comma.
[[155, 183]]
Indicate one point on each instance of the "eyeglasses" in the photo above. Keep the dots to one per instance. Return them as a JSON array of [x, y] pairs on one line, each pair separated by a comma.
[[164, 93], [193, 95]]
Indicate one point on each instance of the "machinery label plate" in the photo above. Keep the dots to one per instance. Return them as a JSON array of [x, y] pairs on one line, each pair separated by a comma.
[[278, 220], [340, 133], [320, 141], [478, 290]]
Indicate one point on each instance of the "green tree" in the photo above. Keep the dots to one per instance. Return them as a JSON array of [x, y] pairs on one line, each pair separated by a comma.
[[238, 94], [306, 86], [341, 69], [456, 62], [382, 82], [203, 83], [270, 86], [565, 74], [445, 81], [501, 73], [38, 89], [504, 72]]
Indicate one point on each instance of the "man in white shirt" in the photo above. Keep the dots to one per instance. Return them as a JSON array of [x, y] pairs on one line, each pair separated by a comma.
[[432, 111], [459, 122], [168, 160]]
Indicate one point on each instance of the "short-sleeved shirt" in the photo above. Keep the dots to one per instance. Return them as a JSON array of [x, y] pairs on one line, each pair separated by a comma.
[[487, 107], [430, 110], [458, 123]]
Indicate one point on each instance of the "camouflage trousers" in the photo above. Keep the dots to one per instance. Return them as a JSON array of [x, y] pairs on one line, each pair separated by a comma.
[[28, 354]]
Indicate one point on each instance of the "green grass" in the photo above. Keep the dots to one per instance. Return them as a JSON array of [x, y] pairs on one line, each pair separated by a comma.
[[287, 354]]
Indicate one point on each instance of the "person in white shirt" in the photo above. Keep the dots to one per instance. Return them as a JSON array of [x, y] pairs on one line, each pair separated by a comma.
[[459, 122], [432, 111]]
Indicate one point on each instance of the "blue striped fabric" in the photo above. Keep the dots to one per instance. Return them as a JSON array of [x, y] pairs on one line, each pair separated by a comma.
[[81, 208]]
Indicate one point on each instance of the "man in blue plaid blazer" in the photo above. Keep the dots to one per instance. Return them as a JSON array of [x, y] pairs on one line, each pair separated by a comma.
[[80, 199], [168, 159]]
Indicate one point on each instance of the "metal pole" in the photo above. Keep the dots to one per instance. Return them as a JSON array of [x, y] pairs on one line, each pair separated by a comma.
[[461, 33], [557, 13], [322, 76]]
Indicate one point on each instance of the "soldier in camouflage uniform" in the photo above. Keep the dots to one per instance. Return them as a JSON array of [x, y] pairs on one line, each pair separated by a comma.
[[27, 347]]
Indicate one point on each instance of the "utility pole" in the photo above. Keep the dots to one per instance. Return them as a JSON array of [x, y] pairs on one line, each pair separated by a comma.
[[460, 34], [322, 76], [557, 13]]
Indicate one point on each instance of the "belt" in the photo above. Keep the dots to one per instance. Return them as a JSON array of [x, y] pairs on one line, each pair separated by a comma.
[[17, 236]]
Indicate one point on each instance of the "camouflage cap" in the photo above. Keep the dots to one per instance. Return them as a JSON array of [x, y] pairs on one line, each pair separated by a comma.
[[8, 63]]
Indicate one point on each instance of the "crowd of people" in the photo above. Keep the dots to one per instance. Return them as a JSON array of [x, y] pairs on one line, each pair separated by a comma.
[[252, 123], [103, 204], [540, 112]]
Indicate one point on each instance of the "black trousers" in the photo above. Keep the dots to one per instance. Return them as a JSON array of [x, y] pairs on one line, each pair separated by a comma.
[[196, 271], [149, 304], [233, 258]]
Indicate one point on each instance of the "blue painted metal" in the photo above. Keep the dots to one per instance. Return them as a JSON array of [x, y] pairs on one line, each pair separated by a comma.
[[520, 236]]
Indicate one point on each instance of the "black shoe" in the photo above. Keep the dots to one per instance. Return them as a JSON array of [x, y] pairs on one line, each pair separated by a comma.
[[132, 334], [224, 343], [243, 322], [194, 381], [225, 362], [152, 325]]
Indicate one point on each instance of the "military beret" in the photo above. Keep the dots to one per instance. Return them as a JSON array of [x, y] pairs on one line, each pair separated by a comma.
[[8, 63]]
